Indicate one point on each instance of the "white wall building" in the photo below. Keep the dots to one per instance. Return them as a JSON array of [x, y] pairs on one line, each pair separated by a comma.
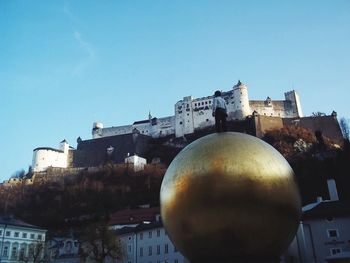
[[137, 162], [19, 241], [192, 114], [324, 232], [44, 157], [149, 243]]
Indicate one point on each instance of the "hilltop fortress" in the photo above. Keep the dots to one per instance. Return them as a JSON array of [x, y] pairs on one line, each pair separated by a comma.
[[130, 143], [195, 114]]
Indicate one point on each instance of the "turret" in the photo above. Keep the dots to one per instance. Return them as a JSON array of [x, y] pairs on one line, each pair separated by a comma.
[[64, 146], [97, 130], [241, 100], [294, 98]]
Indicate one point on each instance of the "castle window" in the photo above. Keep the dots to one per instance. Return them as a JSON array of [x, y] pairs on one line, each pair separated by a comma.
[[180, 111], [179, 107], [180, 122], [207, 119], [206, 102], [195, 104], [210, 102]]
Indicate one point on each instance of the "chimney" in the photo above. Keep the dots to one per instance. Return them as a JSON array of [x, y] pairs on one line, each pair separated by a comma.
[[332, 189]]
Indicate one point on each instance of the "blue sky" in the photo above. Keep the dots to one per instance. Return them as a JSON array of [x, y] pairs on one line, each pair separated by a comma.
[[66, 64]]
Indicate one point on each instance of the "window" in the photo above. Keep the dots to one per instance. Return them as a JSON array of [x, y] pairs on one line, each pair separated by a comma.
[[14, 252], [158, 232], [39, 237], [158, 249], [141, 251], [335, 250], [0, 232], [16, 234], [332, 232], [24, 235], [150, 234], [8, 233], [129, 248], [141, 236], [32, 236], [166, 249], [21, 253], [150, 250], [176, 261], [175, 249], [5, 252]]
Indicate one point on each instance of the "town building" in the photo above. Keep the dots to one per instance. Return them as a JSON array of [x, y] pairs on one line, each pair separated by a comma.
[[20, 241], [324, 231], [144, 237], [149, 242], [63, 250]]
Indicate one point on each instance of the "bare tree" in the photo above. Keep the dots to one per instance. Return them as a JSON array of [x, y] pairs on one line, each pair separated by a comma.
[[100, 242], [34, 253], [344, 126]]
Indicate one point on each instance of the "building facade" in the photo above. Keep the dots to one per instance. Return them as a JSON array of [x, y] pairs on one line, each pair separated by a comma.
[[20, 241], [324, 231], [148, 242]]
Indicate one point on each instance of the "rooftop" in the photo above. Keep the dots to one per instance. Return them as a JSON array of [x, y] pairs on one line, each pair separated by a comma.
[[327, 209], [10, 221], [134, 216]]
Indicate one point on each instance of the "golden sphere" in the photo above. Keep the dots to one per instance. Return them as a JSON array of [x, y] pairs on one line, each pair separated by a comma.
[[228, 197]]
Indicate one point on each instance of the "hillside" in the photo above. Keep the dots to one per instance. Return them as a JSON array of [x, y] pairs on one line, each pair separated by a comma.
[[60, 202]]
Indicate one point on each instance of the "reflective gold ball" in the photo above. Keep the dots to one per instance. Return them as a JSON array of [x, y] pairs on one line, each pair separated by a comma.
[[228, 197]]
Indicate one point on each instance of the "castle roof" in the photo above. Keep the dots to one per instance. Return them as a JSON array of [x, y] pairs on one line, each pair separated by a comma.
[[140, 122], [48, 149]]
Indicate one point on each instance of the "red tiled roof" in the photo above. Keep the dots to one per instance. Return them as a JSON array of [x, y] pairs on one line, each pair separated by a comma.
[[134, 216]]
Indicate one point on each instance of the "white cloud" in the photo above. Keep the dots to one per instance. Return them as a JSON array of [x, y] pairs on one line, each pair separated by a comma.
[[88, 50], [84, 45]]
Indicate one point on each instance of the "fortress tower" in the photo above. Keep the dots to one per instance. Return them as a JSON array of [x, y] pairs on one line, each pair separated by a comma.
[[241, 108]]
